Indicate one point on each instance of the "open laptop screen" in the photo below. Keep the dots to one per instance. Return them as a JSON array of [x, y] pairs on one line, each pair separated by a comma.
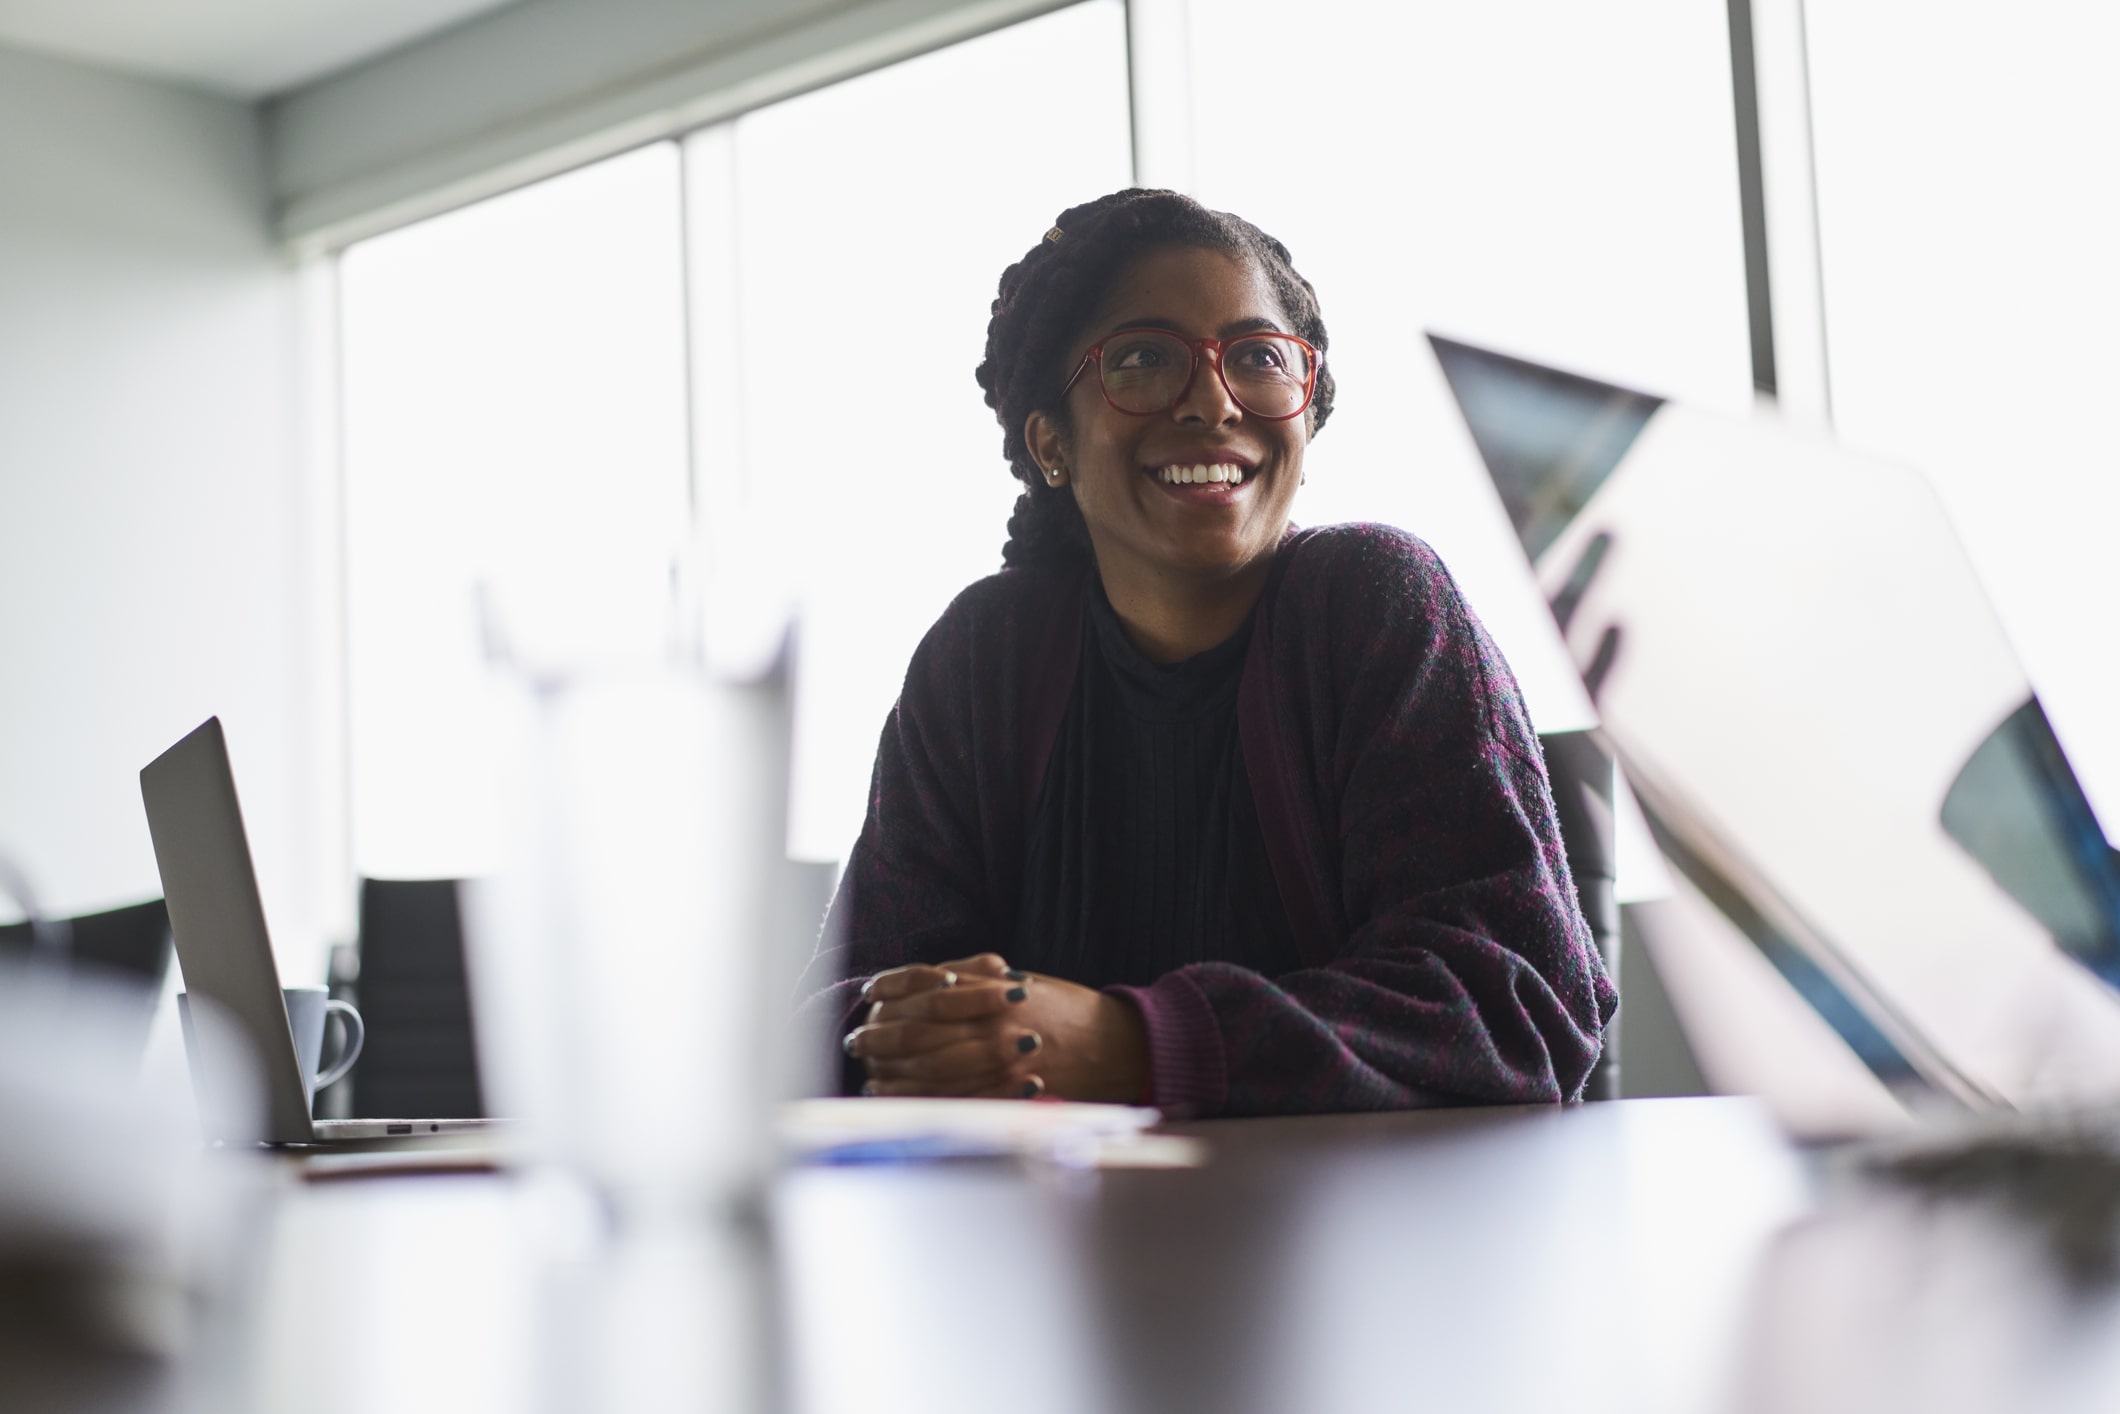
[[223, 948], [1809, 689]]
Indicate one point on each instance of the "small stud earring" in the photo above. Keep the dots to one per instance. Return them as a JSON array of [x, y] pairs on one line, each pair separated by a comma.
[[1056, 473]]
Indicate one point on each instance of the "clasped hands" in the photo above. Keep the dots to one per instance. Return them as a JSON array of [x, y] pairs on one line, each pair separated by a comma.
[[978, 1027]]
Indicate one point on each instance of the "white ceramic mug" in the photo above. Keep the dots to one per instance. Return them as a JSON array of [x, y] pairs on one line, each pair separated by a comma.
[[307, 1008]]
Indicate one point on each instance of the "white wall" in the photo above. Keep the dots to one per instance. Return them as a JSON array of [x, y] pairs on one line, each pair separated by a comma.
[[152, 513]]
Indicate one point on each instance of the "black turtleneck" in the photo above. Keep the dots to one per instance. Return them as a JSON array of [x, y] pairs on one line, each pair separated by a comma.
[[1145, 852]]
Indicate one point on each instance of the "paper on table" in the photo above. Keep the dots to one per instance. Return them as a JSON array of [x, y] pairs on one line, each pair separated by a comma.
[[882, 1130]]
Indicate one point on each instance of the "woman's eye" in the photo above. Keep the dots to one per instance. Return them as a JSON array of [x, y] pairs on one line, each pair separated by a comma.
[[1262, 357], [1136, 356]]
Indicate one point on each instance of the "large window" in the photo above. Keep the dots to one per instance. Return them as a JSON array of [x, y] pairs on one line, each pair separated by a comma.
[[1530, 176], [522, 460], [1968, 230], [815, 275], [515, 460], [1553, 180], [872, 221]]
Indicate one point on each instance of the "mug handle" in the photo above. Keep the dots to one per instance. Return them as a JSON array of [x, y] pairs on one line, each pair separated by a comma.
[[355, 1034]]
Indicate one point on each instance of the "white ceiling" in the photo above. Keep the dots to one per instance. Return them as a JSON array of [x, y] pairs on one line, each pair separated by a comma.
[[243, 48]]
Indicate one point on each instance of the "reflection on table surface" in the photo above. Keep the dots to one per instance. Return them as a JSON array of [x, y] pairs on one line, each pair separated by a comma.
[[1639, 1255], [1489, 1259]]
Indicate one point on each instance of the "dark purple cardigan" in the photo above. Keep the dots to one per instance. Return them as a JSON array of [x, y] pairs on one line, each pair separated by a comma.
[[1405, 810]]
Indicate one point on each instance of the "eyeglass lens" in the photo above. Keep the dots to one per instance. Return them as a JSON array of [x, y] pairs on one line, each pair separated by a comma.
[[1146, 372]]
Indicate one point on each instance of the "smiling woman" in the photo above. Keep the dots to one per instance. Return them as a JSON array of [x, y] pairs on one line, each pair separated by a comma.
[[1187, 806], [1183, 487]]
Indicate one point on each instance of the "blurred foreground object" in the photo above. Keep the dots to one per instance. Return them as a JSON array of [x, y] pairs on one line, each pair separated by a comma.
[[633, 966], [1967, 1272], [1834, 746], [2063, 1180], [106, 1253], [633, 971]]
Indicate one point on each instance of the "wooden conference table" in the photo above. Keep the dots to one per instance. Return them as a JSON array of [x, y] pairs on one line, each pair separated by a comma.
[[1640, 1256]]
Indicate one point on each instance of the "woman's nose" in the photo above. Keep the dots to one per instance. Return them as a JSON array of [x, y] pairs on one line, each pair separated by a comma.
[[1207, 399]]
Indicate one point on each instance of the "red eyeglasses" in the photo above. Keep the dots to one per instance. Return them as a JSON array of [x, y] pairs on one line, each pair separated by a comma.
[[1146, 371]]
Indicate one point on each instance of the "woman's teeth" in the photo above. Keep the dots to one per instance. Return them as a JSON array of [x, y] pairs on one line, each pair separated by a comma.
[[1197, 475]]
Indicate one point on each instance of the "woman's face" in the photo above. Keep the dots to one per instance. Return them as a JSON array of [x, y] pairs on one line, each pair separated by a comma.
[[1144, 527]]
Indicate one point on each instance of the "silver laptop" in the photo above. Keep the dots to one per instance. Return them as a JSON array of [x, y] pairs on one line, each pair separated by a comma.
[[219, 923]]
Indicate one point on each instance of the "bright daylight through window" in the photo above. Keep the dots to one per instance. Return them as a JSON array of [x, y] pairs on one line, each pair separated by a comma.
[[513, 370], [1970, 287], [515, 383], [515, 435]]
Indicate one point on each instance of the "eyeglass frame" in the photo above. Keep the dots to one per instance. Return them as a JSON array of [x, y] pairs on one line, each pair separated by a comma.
[[1199, 347]]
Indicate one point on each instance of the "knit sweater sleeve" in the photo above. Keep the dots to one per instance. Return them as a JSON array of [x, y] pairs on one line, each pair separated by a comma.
[[1463, 971]]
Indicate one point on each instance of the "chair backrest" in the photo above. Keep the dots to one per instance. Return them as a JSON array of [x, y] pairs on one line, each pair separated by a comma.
[[130, 943], [133, 940], [419, 1060], [1582, 774]]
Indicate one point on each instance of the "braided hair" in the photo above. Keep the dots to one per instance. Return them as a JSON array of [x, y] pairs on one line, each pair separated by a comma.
[[1044, 301]]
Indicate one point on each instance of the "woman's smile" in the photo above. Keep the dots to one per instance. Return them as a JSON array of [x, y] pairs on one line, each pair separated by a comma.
[[1223, 475]]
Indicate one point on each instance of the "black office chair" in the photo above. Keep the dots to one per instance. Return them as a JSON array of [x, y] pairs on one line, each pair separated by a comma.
[[133, 940], [420, 1059], [1582, 775], [131, 944]]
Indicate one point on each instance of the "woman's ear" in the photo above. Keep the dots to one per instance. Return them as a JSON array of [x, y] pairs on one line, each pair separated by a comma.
[[1042, 435]]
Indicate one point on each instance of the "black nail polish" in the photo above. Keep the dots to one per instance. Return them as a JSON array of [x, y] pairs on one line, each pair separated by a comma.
[[1017, 994], [1015, 974], [1031, 1089], [1026, 1044]]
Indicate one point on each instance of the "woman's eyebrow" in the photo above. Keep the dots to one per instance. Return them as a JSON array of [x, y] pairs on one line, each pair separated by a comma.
[[1251, 324]]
